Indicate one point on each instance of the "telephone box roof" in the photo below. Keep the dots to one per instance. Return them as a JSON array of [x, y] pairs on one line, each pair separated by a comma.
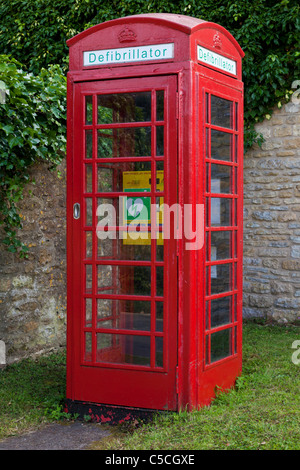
[[183, 23]]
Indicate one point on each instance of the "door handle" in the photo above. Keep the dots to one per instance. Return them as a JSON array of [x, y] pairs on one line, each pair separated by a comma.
[[76, 210]]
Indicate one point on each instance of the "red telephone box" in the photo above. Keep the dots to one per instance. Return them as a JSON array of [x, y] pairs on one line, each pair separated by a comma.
[[155, 149]]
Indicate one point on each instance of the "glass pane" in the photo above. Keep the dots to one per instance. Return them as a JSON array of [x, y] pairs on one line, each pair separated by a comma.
[[124, 107], [159, 349], [207, 304], [220, 245], [159, 249], [88, 211], [220, 145], [123, 349], [160, 105], [88, 278], [221, 112], [138, 249], [207, 349], [220, 178], [220, 212], [207, 179], [88, 347], [220, 345], [207, 108], [89, 178], [107, 213], [88, 312], [88, 244], [220, 311], [124, 280], [159, 140], [89, 110], [129, 176], [159, 316], [220, 277], [124, 314], [88, 144], [159, 176], [126, 142], [207, 146], [160, 281]]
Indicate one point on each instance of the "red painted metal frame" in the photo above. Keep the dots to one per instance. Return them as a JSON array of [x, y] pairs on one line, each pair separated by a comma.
[[196, 380]]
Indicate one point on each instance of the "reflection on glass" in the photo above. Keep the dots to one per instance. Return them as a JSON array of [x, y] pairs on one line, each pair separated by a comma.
[[220, 178], [220, 245], [220, 311], [88, 244], [160, 105], [124, 280], [88, 278], [123, 349], [159, 316], [207, 145], [160, 281], [88, 347], [159, 250], [124, 249], [105, 276], [124, 176], [88, 312], [159, 176], [207, 108], [124, 314], [220, 278], [220, 145], [124, 107], [221, 112], [220, 212], [88, 211], [125, 142], [107, 213], [89, 110], [220, 345], [89, 144], [89, 178], [159, 141], [159, 352]]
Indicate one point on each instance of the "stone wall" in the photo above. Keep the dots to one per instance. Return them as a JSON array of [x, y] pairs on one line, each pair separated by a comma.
[[272, 220], [33, 291]]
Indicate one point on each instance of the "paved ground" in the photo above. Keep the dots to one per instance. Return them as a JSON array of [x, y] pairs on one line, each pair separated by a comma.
[[73, 436]]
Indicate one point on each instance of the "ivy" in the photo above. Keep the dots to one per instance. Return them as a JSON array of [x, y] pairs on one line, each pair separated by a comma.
[[32, 127]]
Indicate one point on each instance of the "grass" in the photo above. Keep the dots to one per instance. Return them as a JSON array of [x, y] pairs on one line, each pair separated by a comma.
[[261, 412], [31, 394]]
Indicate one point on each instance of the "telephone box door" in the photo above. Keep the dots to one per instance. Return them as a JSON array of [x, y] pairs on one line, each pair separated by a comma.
[[223, 155], [123, 326]]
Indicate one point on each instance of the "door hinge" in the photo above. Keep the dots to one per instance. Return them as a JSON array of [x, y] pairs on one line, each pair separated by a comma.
[[177, 380], [177, 105]]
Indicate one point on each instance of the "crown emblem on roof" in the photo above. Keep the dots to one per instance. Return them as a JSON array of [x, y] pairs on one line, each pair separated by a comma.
[[217, 41], [127, 35]]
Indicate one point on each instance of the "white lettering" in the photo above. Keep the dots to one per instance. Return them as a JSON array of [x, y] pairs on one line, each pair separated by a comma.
[[211, 58], [129, 54]]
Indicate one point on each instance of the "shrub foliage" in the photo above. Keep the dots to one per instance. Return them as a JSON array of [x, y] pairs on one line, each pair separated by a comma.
[[32, 127]]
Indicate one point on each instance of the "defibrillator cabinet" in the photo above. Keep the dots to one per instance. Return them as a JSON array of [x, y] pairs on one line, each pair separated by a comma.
[[154, 215]]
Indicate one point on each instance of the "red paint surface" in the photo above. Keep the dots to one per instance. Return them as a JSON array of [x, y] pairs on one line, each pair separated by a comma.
[[186, 83]]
